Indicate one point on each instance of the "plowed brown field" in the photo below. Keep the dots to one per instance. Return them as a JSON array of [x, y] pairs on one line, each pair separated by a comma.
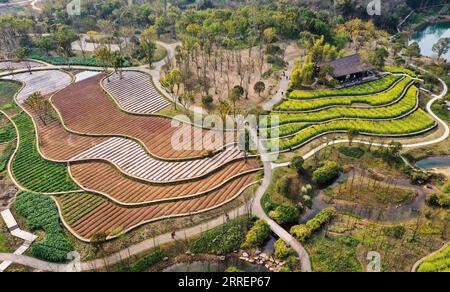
[[104, 178], [112, 219], [86, 108]]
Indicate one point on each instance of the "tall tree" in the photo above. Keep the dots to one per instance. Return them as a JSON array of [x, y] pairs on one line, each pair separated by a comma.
[[22, 54], [148, 44], [442, 47], [41, 106], [103, 56]]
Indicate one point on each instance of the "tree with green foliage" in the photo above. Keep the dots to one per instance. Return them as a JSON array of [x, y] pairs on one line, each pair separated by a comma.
[[104, 57], [22, 53], [351, 135], [284, 186], [259, 87], [41, 106], [413, 51], [282, 250], [326, 173], [257, 235], [297, 163], [148, 44], [378, 58], [118, 61], [442, 47]]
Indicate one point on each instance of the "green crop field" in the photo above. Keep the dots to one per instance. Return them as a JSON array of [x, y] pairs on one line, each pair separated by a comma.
[[405, 105], [31, 170], [414, 123], [440, 262], [372, 100], [372, 87]]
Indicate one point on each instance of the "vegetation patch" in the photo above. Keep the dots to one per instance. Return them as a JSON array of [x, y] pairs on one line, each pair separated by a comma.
[[414, 123], [368, 191], [439, 262], [144, 263], [372, 100], [326, 173], [42, 214], [31, 170], [305, 231], [329, 254], [83, 207], [354, 152], [6, 154], [257, 235], [373, 87], [223, 239], [7, 91]]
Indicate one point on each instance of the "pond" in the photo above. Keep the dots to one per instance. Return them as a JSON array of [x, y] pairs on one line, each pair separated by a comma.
[[215, 267], [430, 35], [434, 162]]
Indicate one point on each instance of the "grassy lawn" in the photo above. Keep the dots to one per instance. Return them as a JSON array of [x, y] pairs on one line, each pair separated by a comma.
[[4, 247], [400, 244], [330, 254], [367, 191], [160, 53], [7, 91]]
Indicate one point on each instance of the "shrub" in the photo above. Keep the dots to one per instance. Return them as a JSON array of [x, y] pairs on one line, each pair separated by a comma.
[[285, 214], [257, 235], [353, 152], [284, 186], [438, 200], [326, 173], [297, 163], [144, 263], [305, 231], [207, 100], [41, 213], [282, 250], [233, 270]]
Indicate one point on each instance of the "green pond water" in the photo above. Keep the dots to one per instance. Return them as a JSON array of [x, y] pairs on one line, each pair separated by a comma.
[[430, 35]]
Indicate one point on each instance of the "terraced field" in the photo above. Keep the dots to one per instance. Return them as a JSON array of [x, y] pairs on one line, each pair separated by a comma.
[[368, 88], [105, 179], [110, 219], [318, 104], [135, 93], [45, 82], [386, 107], [101, 116]]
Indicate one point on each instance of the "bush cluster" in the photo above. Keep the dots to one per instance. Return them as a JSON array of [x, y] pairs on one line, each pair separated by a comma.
[[257, 235], [305, 231]]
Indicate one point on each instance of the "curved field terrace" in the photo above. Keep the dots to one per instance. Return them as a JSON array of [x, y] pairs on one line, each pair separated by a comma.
[[135, 93], [86, 109], [113, 220]]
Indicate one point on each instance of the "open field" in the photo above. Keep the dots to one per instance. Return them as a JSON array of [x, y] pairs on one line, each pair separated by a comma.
[[135, 93], [103, 178], [112, 220], [378, 99], [100, 116]]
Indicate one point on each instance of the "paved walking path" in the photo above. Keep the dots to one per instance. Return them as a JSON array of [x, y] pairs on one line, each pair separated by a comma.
[[126, 253], [276, 228], [14, 229], [282, 88]]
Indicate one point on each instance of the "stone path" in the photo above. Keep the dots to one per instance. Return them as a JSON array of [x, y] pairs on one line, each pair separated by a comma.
[[15, 231]]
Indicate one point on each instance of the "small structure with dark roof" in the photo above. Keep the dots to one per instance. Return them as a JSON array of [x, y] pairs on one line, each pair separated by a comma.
[[348, 69]]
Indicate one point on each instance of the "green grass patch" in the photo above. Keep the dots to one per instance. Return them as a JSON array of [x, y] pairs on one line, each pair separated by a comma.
[[31, 170], [440, 262], [7, 133], [160, 54], [414, 123], [223, 239], [353, 152], [7, 91], [6, 154], [373, 100], [42, 214], [404, 106], [144, 263], [330, 254], [372, 87], [76, 206]]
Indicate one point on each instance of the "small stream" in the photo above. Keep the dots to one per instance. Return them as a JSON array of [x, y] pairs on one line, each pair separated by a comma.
[[434, 162], [392, 214], [215, 267]]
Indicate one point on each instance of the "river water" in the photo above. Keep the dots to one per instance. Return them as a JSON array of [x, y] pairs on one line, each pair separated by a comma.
[[430, 35]]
